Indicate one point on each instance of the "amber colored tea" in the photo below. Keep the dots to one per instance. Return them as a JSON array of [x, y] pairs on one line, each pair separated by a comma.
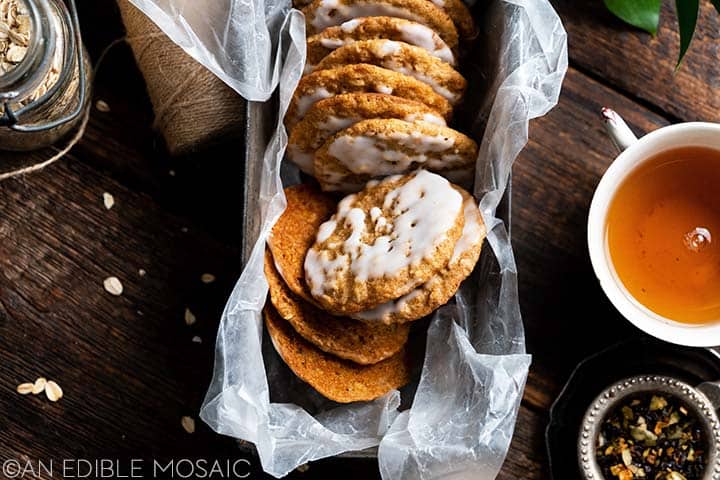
[[663, 234]]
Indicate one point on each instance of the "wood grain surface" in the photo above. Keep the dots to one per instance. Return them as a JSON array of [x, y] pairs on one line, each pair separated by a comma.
[[128, 365]]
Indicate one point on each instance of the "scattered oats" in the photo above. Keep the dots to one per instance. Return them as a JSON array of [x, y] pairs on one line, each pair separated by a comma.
[[24, 388], [207, 278], [196, 339], [102, 106], [188, 423], [171, 173], [189, 317], [108, 200], [53, 391], [113, 286], [142, 272], [39, 385], [303, 468], [140, 313]]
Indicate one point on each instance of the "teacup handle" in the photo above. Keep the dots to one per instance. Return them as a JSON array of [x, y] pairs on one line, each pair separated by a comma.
[[619, 132]]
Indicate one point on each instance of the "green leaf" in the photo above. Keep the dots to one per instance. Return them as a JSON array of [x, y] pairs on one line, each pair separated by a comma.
[[687, 13], [643, 14]]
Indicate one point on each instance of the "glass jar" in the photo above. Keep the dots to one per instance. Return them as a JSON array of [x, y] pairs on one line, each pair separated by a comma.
[[46, 93]]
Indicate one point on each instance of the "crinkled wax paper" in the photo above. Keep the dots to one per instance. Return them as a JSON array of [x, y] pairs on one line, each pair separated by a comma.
[[467, 395]]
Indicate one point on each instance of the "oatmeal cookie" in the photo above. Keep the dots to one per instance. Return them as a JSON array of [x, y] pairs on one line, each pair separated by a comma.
[[333, 114], [360, 78], [321, 14], [379, 147], [336, 379], [371, 28], [440, 288], [384, 241], [403, 58], [359, 342], [294, 233]]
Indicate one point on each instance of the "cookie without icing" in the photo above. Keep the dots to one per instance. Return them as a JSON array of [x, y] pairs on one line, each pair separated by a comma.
[[403, 58], [379, 147], [384, 241], [321, 14], [363, 343], [371, 28], [333, 114], [360, 78], [439, 289], [336, 379], [294, 233]]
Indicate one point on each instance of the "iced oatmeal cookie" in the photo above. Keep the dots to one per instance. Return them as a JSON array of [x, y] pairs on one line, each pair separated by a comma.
[[372, 28], [360, 78], [384, 241], [379, 147], [403, 58], [333, 114], [321, 14], [440, 288]]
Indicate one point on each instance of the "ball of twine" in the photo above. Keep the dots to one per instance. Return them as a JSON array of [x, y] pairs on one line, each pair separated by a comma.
[[193, 108]]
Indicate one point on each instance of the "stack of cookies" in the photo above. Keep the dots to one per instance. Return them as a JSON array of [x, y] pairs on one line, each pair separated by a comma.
[[380, 85], [370, 119], [347, 278]]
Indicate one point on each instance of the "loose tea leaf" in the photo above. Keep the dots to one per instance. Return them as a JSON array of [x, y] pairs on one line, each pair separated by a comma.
[[643, 14], [654, 437]]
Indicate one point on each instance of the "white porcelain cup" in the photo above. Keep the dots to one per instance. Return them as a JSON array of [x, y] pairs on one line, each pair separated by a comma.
[[634, 153]]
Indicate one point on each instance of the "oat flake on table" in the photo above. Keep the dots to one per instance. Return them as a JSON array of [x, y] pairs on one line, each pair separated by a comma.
[[108, 200], [113, 286], [188, 423], [53, 391]]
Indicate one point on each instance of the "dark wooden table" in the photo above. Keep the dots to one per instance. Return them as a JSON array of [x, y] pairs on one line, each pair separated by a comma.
[[128, 365]]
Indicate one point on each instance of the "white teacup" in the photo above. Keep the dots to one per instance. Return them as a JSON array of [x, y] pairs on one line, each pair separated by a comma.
[[634, 153]]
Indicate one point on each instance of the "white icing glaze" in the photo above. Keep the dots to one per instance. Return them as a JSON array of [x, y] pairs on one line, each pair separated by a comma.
[[418, 216], [333, 43], [412, 72], [332, 12], [333, 124], [439, 3], [387, 48], [384, 89], [425, 117], [423, 37], [351, 25], [472, 231], [378, 154], [306, 101]]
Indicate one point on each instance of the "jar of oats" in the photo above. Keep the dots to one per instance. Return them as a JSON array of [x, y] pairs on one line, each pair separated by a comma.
[[44, 73]]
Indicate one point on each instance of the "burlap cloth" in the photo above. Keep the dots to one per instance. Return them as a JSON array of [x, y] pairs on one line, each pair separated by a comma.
[[193, 108]]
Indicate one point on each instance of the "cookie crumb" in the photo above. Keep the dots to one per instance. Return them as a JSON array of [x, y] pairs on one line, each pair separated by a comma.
[[113, 286], [207, 278], [142, 272], [197, 339]]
